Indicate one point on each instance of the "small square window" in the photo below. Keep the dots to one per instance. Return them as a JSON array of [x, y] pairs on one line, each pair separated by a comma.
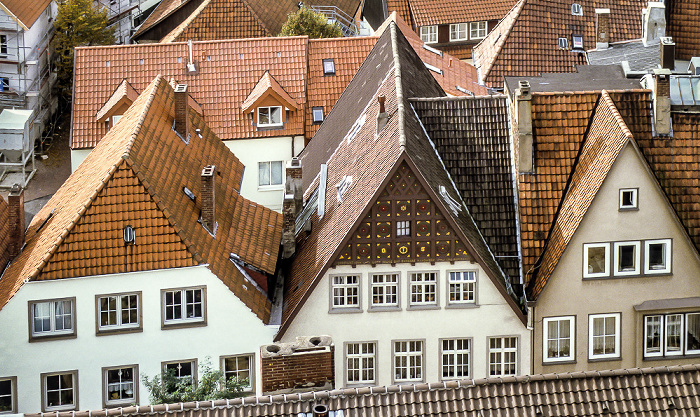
[[120, 385], [628, 199], [596, 260], [462, 287], [455, 358], [345, 292], [270, 173], [328, 67], [503, 356], [361, 362], [241, 368], [184, 307], [657, 256], [269, 116], [317, 114], [626, 258], [429, 34], [185, 370], [53, 318], [576, 9], [477, 30], [8, 395], [577, 41], [423, 289], [385, 290], [408, 361], [59, 391], [458, 32], [118, 312], [558, 339], [403, 228], [604, 336], [3, 44], [4, 84]]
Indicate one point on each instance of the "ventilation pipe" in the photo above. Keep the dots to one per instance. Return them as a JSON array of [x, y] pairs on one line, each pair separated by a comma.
[[181, 110], [208, 199], [15, 201], [523, 99], [320, 410], [382, 116]]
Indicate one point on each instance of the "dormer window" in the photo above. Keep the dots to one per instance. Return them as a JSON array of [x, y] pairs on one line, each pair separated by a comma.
[[429, 34], [577, 42], [477, 30], [628, 199], [458, 32], [576, 9], [116, 118], [269, 116], [328, 67]]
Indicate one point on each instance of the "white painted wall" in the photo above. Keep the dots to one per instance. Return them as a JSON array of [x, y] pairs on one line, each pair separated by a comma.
[[492, 317], [231, 329], [77, 156]]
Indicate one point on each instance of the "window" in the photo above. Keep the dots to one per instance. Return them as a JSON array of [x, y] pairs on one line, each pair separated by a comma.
[[626, 258], [385, 290], [240, 367], [423, 288], [182, 370], [503, 352], [328, 67], [458, 32], [317, 114], [270, 173], [477, 30], [403, 228], [657, 256], [118, 312], [455, 358], [577, 41], [3, 44], [59, 391], [428, 34], [596, 260], [345, 291], [558, 339], [8, 395], [462, 287], [628, 199], [408, 361], [4, 84], [184, 306], [52, 318], [270, 116], [121, 385], [563, 43], [360, 360], [604, 336], [671, 334], [342, 187], [576, 9]]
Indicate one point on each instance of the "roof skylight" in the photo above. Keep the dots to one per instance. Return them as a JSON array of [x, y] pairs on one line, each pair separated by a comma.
[[343, 187], [453, 204]]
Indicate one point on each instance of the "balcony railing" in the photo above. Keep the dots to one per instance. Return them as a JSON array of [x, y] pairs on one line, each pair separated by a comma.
[[334, 14]]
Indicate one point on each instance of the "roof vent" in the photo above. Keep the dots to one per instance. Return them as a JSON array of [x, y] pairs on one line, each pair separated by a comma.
[[343, 186], [191, 64], [188, 193], [129, 235], [563, 43], [576, 9], [451, 202], [320, 410], [382, 116]]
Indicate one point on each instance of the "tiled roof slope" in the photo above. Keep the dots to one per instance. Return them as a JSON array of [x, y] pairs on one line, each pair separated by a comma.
[[644, 392], [27, 12], [525, 42], [684, 26], [402, 8], [274, 13], [124, 94], [136, 177], [431, 12], [164, 9], [472, 138], [4, 233]]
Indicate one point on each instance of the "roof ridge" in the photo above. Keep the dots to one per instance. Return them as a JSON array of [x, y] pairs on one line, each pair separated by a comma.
[[399, 87], [618, 117], [501, 39], [177, 31], [458, 98], [258, 19], [155, 84]]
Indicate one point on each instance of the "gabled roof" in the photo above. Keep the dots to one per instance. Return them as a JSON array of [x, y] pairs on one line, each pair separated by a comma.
[[25, 12], [394, 70], [266, 86], [525, 42], [431, 12], [164, 9], [136, 176], [683, 24], [125, 94]]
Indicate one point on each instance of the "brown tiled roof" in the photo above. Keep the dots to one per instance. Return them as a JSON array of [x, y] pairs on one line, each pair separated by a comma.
[[684, 26], [401, 8], [268, 85], [123, 95], [135, 177], [164, 9], [431, 12], [645, 392], [525, 42], [26, 12], [4, 233]]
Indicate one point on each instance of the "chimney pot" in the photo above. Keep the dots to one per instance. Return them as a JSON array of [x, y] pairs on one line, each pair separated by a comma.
[[668, 53], [381, 100], [15, 201], [209, 199]]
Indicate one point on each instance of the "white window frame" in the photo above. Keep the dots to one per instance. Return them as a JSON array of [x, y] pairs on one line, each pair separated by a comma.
[[667, 256], [193, 366], [454, 358], [52, 316], [328, 66], [577, 43], [667, 332], [501, 357], [317, 114], [635, 201], [637, 258], [429, 34], [45, 391], [459, 32], [107, 402], [12, 395], [272, 123], [362, 362], [403, 228], [661, 327], [408, 358], [183, 305], [547, 337], [423, 285], [251, 368], [480, 28], [268, 165], [345, 295], [462, 282], [606, 272], [591, 336], [381, 288], [689, 351], [118, 312]]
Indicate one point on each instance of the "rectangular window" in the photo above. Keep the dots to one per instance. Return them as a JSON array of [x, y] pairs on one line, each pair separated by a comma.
[[52, 318], [408, 361], [423, 288], [385, 290], [4, 84], [671, 334], [558, 339], [657, 258], [626, 258], [360, 359], [455, 358], [674, 335], [458, 32], [184, 306], [604, 336], [503, 355], [269, 116], [3, 44], [185, 371], [345, 290], [462, 287], [653, 335], [317, 114], [270, 173], [120, 385], [118, 312], [429, 34], [59, 391], [328, 67], [628, 199], [596, 260], [692, 333], [239, 367], [8, 395], [477, 30], [403, 228], [577, 42]]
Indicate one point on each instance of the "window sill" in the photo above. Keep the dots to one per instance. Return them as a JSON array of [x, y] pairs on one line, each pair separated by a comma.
[[423, 307], [671, 357], [176, 325], [461, 305], [611, 359], [120, 404], [628, 209], [47, 337], [108, 332], [276, 187], [562, 362], [338, 310], [383, 308], [660, 274]]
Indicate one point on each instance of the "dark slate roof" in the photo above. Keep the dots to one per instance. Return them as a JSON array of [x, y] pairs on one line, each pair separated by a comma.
[[471, 136], [638, 56], [586, 78], [660, 391]]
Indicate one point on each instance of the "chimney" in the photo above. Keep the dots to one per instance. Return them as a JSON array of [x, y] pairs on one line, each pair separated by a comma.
[[15, 201], [208, 199], [382, 116], [662, 101], [524, 118], [181, 110], [320, 410], [653, 23], [291, 206], [602, 28], [668, 53]]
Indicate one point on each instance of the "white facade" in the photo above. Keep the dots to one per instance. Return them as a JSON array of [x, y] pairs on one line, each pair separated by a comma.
[[489, 316], [229, 328]]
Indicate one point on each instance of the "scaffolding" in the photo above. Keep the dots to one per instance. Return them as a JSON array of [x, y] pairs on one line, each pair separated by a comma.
[[123, 16]]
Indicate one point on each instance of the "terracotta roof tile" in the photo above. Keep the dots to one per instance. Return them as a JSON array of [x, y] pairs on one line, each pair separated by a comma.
[[402, 9], [684, 26], [27, 12], [123, 95], [268, 85], [4, 233], [431, 12]]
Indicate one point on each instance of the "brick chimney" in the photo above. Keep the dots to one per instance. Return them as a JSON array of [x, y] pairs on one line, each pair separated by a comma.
[[291, 206], [307, 363], [662, 101], [668, 53], [382, 116], [15, 201], [181, 110], [602, 28], [524, 118], [208, 199]]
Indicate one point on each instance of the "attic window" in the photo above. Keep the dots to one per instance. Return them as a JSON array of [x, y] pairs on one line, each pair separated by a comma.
[[317, 114], [577, 42], [563, 43], [343, 186], [106, 63], [451, 202], [269, 116], [576, 9], [355, 129], [329, 66], [140, 61], [188, 193], [129, 235], [433, 68]]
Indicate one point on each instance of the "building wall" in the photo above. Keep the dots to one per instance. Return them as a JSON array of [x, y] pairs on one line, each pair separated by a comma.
[[227, 319], [491, 316], [567, 293]]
